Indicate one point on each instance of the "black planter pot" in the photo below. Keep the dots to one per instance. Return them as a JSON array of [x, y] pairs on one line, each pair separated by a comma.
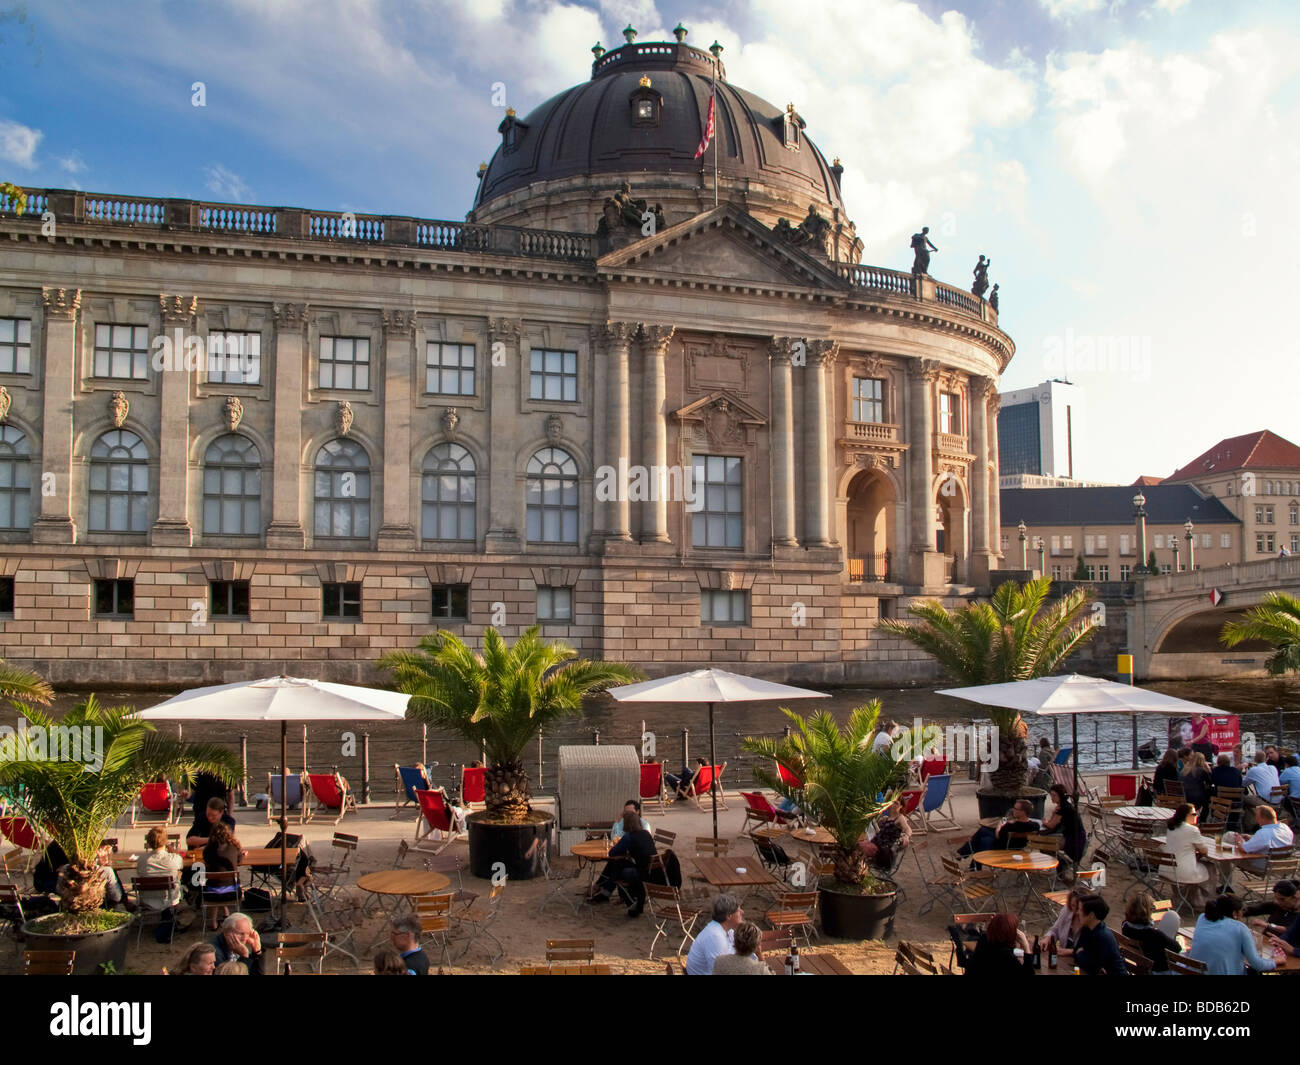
[[93, 948], [520, 849], [992, 805], [847, 916]]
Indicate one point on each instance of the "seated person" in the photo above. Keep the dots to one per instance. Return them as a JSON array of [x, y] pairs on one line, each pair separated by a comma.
[[45, 877], [221, 855], [1166, 770], [205, 786], [238, 941], [986, 839], [1281, 914], [994, 954], [893, 835], [1097, 952], [632, 806], [681, 784], [201, 830], [1184, 841], [1271, 835], [404, 932], [717, 937], [115, 893], [1065, 932], [159, 861], [199, 960], [1290, 776], [1156, 941], [390, 963], [628, 865], [1066, 823], [1224, 943], [1224, 774], [747, 961], [1262, 776]]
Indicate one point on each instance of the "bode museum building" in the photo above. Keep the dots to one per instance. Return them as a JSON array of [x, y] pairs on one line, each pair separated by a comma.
[[238, 441]]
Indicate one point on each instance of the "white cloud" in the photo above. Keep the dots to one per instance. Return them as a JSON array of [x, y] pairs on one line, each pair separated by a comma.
[[1067, 9], [18, 143], [1170, 6], [226, 184], [72, 163]]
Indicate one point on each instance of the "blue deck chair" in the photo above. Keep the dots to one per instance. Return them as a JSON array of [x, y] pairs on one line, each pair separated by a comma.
[[936, 803], [1063, 756], [410, 779], [274, 788]]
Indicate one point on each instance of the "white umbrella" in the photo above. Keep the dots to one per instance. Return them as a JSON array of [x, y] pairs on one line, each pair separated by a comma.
[[710, 686], [1075, 694], [281, 699]]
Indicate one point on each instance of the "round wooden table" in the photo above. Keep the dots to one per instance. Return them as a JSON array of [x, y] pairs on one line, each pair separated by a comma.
[[1144, 813], [770, 833], [399, 885], [813, 834], [1017, 862], [589, 853]]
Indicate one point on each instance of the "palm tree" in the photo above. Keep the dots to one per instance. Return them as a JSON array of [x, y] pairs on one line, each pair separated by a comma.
[[846, 783], [498, 700], [24, 685], [1277, 621], [1015, 636], [75, 803]]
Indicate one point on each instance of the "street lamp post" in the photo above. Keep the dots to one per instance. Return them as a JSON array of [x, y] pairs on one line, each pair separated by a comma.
[[1140, 520], [1173, 542], [1191, 544], [1040, 545], [1024, 546]]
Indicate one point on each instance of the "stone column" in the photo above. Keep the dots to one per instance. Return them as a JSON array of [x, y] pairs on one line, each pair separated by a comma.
[[817, 413], [617, 445], [59, 383], [995, 490], [927, 563], [780, 350], [285, 529], [171, 527], [980, 554], [396, 533], [503, 373], [654, 431]]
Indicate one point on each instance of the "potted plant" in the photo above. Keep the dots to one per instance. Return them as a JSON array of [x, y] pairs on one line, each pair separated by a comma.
[[498, 700], [846, 784], [1018, 635], [75, 801]]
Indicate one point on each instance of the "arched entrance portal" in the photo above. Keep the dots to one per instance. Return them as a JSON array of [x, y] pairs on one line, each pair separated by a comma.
[[952, 534], [871, 520]]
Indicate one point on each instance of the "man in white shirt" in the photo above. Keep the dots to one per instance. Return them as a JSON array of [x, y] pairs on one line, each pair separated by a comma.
[[884, 739], [1270, 835], [1290, 776], [629, 807], [1262, 775], [717, 937]]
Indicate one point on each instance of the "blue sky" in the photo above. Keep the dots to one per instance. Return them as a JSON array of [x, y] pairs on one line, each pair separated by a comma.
[[1130, 167]]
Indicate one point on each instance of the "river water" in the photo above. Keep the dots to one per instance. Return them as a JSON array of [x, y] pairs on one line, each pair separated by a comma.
[[1105, 740]]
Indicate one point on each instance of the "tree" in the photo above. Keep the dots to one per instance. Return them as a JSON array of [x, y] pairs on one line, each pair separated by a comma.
[[76, 805], [1081, 570], [1017, 635], [846, 783], [1153, 567], [500, 699], [1277, 621], [16, 196], [23, 685]]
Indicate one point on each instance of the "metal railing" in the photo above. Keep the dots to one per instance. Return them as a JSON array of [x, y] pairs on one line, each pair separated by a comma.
[[869, 569]]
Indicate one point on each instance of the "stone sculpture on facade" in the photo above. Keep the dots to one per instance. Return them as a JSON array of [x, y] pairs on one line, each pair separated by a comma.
[[812, 233], [922, 247], [993, 298], [450, 419], [623, 219], [343, 417], [554, 429], [6, 401], [234, 412], [118, 408], [981, 285]]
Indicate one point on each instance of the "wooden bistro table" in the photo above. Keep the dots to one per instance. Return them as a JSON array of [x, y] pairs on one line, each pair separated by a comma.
[[809, 964], [814, 834], [1143, 813], [1226, 857], [589, 853], [399, 886], [744, 873], [1020, 862], [252, 856]]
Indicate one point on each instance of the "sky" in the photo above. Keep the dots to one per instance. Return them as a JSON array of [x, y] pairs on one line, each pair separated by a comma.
[[1129, 166]]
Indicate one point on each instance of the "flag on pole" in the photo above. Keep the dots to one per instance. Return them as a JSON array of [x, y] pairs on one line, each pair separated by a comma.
[[708, 132]]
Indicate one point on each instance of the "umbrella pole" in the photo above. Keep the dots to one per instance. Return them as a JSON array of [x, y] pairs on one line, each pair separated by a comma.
[[713, 762], [284, 819], [1074, 727]]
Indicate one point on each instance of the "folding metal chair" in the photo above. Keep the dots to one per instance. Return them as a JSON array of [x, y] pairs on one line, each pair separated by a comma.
[[434, 912], [570, 951], [665, 906], [796, 910], [48, 962], [291, 946], [561, 881], [477, 921], [339, 919], [152, 885]]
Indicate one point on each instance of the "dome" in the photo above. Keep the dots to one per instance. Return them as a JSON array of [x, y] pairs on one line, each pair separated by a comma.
[[640, 119]]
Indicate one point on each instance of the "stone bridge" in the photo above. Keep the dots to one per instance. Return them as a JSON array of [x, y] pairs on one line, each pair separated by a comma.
[[1174, 624]]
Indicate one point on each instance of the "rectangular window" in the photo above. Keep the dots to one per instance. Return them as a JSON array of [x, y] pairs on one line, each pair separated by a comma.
[[1005, 539], [115, 599], [6, 597], [451, 602], [1067, 542], [1206, 540], [1263, 515], [1295, 546], [1056, 573], [122, 351], [1089, 545], [1125, 544], [553, 375], [15, 345], [868, 399], [1101, 544], [1124, 571], [1159, 542], [1056, 545], [1165, 568], [1103, 573], [449, 369], [1264, 543], [1225, 540], [718, 512], [234, 358], [1091, 572], [949, 413], [229, 599], [723, 607], [554, 604], [1293, 514], [345, 363], [341, 601]]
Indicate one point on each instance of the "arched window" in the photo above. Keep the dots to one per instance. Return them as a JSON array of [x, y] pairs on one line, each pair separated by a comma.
[[119, 483], [447, 493], [15, 479], [232, 487], [343, 490], [551, 495]]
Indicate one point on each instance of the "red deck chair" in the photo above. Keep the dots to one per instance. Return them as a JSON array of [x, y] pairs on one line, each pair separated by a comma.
[[331, 793], [473, 786], [652, 784], [788, 778], [20, 833], [157, 799], [933, 767], [703, 783], [911, 800], [435, 816], [758, 809]]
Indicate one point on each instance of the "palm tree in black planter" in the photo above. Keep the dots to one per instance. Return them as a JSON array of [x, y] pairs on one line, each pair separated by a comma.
[[75, 803], [845, 786], [1018, 635], [498, 700]]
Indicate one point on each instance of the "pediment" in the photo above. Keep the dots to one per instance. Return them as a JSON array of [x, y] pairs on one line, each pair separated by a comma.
[[725, 246], [721, 418]]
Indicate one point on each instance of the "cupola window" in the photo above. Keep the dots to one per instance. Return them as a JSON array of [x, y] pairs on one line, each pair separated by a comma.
[[647, 104]]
